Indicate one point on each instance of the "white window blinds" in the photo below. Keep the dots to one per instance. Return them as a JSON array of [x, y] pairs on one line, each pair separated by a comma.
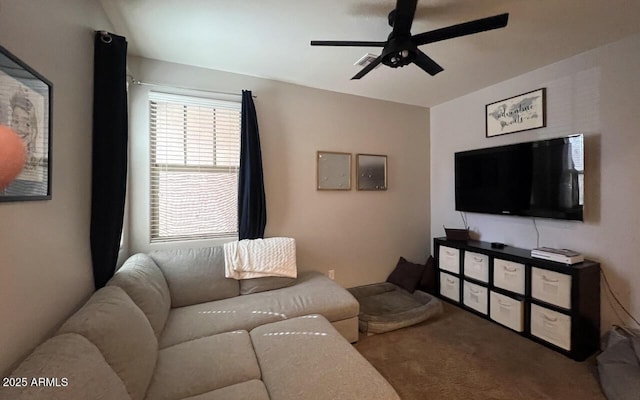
[[195, 156]]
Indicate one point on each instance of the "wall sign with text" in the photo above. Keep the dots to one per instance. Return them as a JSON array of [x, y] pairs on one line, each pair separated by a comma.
[[515, 114]]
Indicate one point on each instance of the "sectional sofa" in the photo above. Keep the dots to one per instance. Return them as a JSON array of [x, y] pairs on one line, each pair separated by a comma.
[[170, 326]]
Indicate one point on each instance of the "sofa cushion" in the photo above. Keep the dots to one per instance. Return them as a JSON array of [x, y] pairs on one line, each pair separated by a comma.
[[73, 358], [253, 390], [143, 281], [312, 293], [257, 285], [122, 333], [195, 275], [203, 365], [298, 361]]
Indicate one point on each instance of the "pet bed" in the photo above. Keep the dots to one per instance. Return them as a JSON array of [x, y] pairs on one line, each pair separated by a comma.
[[386, 307], [619, 364]]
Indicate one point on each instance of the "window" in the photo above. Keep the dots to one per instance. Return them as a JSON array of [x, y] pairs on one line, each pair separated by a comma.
[[195, 156]]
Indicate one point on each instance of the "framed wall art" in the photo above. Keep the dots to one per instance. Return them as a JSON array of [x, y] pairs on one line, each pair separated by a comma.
[[333, 170], [25, 107], [515, 114], [371, 172]]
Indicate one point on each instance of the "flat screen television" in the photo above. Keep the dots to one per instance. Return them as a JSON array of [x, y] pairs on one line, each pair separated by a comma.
[[544, 179]]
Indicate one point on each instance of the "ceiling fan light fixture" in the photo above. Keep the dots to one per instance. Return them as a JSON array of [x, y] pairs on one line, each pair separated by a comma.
[[366, 59]]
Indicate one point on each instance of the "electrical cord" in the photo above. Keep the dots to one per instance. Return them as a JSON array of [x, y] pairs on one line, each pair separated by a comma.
[[464, 220], [537, 232], [606, 281], [613, 307]]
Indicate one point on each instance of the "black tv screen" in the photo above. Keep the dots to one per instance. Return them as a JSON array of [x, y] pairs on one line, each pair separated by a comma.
[[544, 179]]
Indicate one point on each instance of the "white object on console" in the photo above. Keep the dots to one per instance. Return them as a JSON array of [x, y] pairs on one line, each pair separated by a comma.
[[564, 256]]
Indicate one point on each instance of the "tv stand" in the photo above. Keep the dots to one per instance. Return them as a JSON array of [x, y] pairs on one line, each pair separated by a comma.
[[554, 304]]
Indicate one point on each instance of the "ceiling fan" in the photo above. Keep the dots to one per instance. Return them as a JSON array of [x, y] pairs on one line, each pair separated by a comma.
[[401, 48]]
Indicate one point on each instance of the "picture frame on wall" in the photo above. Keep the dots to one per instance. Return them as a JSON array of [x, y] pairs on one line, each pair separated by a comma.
[[371, 172], [516, 114], [25, 107], [333, 171]]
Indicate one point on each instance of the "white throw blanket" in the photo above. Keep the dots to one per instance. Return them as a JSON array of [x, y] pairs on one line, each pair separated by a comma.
[[257, 258]]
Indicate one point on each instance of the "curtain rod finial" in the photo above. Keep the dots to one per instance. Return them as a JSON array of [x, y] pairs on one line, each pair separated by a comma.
[[105, 36]]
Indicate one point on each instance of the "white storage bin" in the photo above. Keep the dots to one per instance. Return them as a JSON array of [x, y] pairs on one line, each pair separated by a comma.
[[476, 266], [552, 287], [551, 326], [449, 259], [475, 296], [508, 275], [450, 286], [507, 311]]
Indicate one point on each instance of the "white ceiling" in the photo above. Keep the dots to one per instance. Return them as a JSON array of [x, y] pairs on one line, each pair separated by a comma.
[[270, 39]]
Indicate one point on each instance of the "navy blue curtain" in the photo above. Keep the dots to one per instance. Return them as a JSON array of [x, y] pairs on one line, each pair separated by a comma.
[[109, 156], [252, 207]]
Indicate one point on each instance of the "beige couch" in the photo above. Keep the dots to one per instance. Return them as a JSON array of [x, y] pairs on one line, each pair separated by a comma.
[[170, 326]]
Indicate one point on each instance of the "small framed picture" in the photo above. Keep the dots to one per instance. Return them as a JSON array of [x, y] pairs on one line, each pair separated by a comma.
[[516, 114], [333, 170], [25, 107], [371, 172]]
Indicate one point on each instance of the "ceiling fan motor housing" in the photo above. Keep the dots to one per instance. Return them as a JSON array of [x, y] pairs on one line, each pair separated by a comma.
[[399, 51]]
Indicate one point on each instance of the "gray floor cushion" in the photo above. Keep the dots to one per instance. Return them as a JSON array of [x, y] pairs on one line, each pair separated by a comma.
[[386, 307], [619, 365]]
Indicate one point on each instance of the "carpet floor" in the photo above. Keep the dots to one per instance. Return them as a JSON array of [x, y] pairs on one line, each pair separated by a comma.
[[462, 356]]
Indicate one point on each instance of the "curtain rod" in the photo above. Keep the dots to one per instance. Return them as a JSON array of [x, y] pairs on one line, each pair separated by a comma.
[[141, 83]]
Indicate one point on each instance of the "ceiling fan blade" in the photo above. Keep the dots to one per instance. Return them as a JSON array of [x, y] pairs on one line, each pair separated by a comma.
[[346, 43], [427, 64], [466, 28], [403, 18], [368, 68]]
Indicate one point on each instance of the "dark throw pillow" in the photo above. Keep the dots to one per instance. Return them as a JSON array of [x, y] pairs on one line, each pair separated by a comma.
[[407, 275], [428, 281]]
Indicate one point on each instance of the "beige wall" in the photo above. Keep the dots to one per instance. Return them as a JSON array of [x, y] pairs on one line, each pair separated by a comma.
[[359, 234], [45, 267], [595, 93]]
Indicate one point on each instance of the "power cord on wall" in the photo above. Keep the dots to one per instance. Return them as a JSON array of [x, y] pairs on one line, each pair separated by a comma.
[[613, 307], [606, 281], [464, 220], [537, 232]]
